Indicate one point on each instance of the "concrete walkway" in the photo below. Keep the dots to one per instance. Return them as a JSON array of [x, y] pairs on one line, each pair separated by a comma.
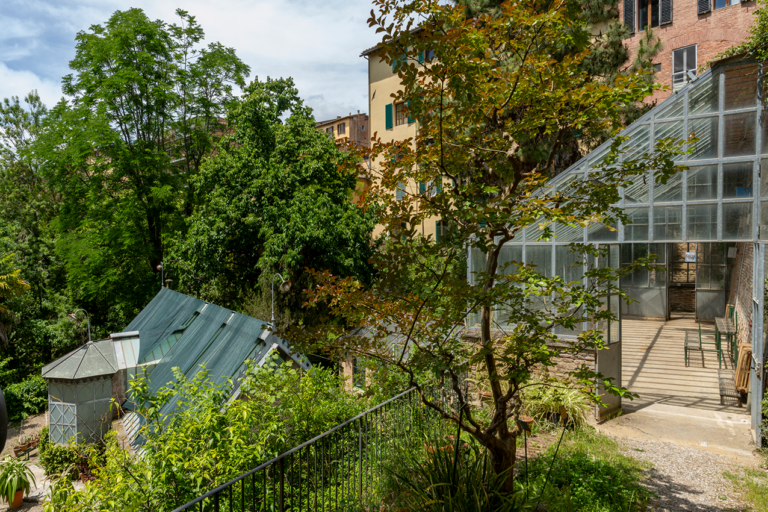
[[677, 404]]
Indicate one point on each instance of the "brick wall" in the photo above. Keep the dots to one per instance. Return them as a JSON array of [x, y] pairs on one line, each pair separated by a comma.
[[712, 33], [682, 298], [741, 290]]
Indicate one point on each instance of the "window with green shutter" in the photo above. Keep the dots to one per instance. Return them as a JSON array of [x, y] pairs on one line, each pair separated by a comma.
[[438, 230], [388, 116], [422, 188]]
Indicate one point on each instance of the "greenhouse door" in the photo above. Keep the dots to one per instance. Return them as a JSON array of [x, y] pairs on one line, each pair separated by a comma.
[[608, 360], [711, 267]]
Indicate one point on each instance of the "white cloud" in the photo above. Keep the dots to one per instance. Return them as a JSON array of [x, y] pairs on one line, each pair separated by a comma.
[[316, 43], [20, 82]]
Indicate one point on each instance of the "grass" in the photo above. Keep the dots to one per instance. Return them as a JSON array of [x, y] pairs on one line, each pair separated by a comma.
[[590, 474], [753, 486]]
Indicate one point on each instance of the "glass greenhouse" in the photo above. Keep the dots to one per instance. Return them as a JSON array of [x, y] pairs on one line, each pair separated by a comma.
[[696, 223]]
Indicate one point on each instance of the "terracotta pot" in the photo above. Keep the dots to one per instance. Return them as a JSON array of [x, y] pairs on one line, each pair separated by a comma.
[[17, 498], [17, 451]]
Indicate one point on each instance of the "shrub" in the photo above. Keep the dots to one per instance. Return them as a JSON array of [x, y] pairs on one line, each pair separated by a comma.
[[544, 397], [421, 477], [45, 440], [26, 398], [59, 460]]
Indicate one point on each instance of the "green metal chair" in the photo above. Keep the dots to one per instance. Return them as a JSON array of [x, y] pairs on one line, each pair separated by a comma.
[[694, 342]]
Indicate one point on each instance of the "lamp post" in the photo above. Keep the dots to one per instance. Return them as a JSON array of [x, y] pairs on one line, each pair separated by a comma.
[[160, 268], [73, 318], [285, 285]]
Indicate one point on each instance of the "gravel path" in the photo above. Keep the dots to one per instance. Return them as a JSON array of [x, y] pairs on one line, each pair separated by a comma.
[[686, 479]]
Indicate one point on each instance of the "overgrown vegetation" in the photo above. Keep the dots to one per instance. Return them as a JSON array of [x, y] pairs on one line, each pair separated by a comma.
[[26, 398], [589, 474], [208, 439]]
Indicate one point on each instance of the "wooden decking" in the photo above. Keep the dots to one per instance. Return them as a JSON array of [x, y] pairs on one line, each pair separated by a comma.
[[653, 366]]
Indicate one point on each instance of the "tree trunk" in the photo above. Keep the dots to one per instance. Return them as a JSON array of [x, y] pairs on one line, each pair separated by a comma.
[[503, 452]]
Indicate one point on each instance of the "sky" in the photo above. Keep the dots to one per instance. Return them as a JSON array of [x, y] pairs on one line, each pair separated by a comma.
[[318, 43]]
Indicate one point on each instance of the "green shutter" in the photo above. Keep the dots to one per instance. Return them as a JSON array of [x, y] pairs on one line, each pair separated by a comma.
[[422, 188], [438, 231], [440, 185], [421, 57], [410, 119], [388, 115]]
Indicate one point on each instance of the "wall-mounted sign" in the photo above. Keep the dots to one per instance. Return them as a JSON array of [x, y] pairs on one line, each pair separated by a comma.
[[690, 257]]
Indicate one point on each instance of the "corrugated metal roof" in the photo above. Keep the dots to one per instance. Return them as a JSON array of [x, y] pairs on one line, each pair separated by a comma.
[[217, 338], [91, 360], [164, 314]]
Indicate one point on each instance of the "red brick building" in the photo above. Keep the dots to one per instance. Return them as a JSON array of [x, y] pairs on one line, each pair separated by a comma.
[[692, 33]]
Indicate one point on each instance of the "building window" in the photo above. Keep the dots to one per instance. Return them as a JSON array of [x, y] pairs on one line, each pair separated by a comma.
[[329, 130], [719, 4], [657, 67], [648, 11], [400, 117], [400, 192], [358, 374], [683, 66], [362, 128], [342, 129]]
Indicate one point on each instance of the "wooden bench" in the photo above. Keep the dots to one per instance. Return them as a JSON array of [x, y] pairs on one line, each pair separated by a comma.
[[725, 380]]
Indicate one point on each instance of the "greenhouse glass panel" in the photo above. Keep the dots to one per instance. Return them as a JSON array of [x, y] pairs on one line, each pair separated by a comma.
[[705, 130], [764, 122], [568, 264], [739, 135], [566, 233], [703, 99], [764, 220], [737, 180], [702, 277], [477, 263], [601, 233], [740, 86], [658, 278], [702, 222], [541, 257], [702, 182], [534, 231], [764, 182], [674, 109], [629, 254], [638, 192], [672, 190], [670, 130], [667, 223], [638, 144], [737, 221], [508, 254], [638, 229]]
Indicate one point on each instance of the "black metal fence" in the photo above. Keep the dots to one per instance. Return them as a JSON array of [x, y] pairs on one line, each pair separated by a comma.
[[337, 470]]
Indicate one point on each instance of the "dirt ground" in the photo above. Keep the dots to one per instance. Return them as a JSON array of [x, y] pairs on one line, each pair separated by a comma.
[[29, 427]]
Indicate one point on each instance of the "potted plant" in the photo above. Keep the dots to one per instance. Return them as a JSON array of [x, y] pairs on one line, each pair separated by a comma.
[[16, 479]]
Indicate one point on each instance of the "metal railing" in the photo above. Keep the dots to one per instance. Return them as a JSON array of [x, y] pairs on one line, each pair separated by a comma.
[[337, 469]]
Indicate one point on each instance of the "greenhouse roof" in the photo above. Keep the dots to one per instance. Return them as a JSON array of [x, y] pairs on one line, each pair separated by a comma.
[[94, 359], [719, 197]]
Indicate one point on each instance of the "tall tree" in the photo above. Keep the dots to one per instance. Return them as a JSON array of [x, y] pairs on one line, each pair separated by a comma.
[[145, 106], [503, 93], [276, 196]]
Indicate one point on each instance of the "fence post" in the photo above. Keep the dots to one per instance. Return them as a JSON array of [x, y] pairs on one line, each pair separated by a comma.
[[360, 457], [282, 484]]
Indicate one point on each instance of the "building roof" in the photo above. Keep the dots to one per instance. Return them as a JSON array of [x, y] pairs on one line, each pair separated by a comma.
[[94, 359], [379, 45]]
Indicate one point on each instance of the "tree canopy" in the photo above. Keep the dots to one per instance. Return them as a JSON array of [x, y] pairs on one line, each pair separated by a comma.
[[506, 90], [276, 196]]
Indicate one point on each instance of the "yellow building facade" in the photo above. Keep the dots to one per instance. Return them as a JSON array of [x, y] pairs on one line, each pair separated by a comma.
[[389, 122]]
